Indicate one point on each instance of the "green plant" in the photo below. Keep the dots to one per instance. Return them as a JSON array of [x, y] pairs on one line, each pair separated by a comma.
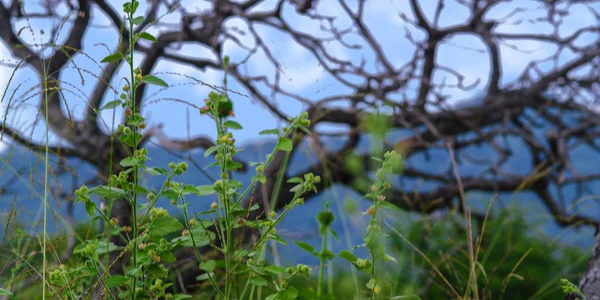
[[570, 288], [145, 276], [240, 270], [373, 239]]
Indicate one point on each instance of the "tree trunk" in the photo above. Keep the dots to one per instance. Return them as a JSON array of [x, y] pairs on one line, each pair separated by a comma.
[[590, 281]]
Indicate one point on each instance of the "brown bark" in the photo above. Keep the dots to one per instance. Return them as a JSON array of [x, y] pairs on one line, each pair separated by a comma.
[[417, 102]]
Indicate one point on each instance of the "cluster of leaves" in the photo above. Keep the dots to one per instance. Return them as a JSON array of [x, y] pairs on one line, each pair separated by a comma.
[[373, 239], [240, 271], [154, 235], [514, 261], [570, 288]]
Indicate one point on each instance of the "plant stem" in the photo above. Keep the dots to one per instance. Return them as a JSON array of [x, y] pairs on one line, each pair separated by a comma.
[[322, 267], [187, 224], [134, 86], [45, 188]]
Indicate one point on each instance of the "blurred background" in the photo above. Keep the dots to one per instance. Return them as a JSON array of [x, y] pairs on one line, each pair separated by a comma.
[[510, 86]]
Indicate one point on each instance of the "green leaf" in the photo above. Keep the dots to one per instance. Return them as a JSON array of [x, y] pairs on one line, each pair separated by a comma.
[[204, 190], [134, 7], [4, 292], [262, 179], [90, 207], [108, 192], [306, 247], [168, 257], [189, 189], [388, 257], [140, 190], [112, 104], [116, 280], [147, 36], [327, 254], [295, 180], [149, 79], [103, 248], [165, 224], [113, 57], [272, 296], [234, 184], [216, 163], [275, 269], [347, 255], [138, 20], [258, 270], [258, 281], [203, 277], [129, 162], [210, 150], [181, 296], [278, 239], [291, 292], [285, 144], [208, 265], [232, 124], [269, 131], [234, 165], [157, 171], [201, 237]]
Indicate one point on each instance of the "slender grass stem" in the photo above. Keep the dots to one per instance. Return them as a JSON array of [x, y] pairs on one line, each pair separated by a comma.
[[46, 160]]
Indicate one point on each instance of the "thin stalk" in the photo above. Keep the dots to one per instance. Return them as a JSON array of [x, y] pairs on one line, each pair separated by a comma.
[[109, 208], [322, 266], [467, 214], [228, 246], [134, 86], [45, 187], [189, 228]]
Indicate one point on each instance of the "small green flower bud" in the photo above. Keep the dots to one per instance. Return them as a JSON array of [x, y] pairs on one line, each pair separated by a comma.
[[183, 166], [151, 196]]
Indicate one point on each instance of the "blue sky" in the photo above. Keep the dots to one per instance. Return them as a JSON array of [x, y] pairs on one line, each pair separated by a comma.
[[300, 71]]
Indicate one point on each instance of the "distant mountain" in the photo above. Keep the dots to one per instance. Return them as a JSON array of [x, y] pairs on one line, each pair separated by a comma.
[[24, 191]]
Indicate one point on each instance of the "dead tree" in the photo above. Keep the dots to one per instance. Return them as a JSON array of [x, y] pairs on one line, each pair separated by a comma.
[[547, 89]]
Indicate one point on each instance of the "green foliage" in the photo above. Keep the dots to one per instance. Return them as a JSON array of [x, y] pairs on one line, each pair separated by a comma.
[[514, 261], [570, 288], [394, 269]]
